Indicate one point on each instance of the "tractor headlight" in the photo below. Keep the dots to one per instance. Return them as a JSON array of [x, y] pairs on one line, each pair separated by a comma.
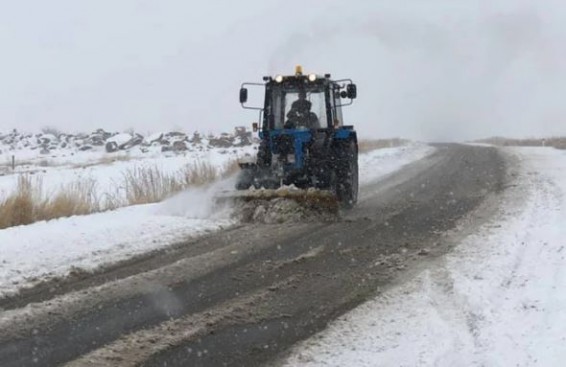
[[279, 78], [312, 77]]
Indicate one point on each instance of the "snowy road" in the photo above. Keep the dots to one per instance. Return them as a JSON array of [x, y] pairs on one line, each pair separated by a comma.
[[497, 300], [244, 295], [34, 253]]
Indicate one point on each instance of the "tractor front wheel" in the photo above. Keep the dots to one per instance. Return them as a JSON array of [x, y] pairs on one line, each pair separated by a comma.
[[245, 178]]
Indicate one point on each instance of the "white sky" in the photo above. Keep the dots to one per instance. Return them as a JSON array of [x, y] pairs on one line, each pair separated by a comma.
[[425, 69]]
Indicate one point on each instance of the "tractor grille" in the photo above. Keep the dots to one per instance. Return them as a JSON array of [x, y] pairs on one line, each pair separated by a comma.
[[283, 145]]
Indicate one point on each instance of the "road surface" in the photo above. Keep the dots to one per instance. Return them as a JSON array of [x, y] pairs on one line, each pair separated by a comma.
[[245, 295]]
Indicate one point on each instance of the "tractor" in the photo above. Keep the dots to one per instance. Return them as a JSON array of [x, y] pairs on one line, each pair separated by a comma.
[[304, 142]]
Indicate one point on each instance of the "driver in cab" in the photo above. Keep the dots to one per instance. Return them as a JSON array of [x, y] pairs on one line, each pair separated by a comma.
[[300, 115]]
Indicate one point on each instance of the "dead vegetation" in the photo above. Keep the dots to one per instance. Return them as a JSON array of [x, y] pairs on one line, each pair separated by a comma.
[[365, 146], [145, 185], [77, 198], [150, 184], [19, 207], [556, 142], [29, 202]]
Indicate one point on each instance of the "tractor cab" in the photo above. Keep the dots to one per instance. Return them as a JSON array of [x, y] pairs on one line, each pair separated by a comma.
[[304, 140], [302, 102]]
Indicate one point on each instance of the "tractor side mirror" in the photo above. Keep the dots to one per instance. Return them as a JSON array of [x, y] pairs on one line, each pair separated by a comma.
[[255, 127], [351, 91], [243, 95]]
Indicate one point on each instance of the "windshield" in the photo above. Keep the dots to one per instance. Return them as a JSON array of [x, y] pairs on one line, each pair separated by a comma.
[[298, 109]]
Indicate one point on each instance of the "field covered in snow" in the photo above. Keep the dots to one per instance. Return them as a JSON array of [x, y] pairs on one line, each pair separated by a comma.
[[497, 300], [60, 162], [43, 250]]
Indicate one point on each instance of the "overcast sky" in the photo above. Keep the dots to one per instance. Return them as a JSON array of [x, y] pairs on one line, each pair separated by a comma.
[[425, 69]]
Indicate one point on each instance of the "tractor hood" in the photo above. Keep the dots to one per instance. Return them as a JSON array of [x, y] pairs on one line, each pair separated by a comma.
[[288, 142]]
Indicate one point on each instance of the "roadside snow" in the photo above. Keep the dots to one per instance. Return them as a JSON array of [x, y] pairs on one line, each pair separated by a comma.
[[497, 300], [43, 250], [49, 249], [380, 162]]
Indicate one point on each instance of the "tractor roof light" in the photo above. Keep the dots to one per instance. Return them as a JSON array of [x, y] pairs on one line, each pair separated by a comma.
[[279, 78], [312, 77]]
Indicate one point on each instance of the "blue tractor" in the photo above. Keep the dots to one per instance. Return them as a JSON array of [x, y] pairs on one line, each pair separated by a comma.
[[303, 139]]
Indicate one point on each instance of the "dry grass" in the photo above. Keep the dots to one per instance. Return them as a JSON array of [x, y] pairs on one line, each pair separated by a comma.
[[76, 198], [556, 142], [199, 174], [365, 146], [149, 184], [19, 207], [29, 202]]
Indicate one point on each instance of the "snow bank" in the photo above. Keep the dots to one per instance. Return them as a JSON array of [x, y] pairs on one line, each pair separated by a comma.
[[48, 249], [381, 162]]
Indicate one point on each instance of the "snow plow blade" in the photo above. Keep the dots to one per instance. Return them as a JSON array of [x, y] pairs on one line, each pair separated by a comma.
[[312, 198]]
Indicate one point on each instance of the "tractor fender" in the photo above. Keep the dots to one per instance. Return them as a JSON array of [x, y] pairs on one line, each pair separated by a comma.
[[346, 133]]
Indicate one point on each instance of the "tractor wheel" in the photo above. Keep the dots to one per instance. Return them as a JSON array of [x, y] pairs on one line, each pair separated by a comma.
[[245, 179], [347, 177]]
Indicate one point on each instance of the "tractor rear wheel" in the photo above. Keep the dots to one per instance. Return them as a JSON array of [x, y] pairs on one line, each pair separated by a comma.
[[347, 176]]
